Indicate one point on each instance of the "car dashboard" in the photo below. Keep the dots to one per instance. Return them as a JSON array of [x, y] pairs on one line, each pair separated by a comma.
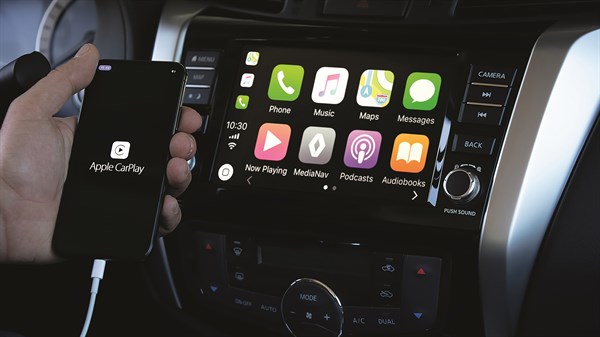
[[384, 168]]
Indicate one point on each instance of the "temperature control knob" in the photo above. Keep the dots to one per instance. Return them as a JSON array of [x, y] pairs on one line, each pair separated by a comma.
[[311, 309], [461, 185]]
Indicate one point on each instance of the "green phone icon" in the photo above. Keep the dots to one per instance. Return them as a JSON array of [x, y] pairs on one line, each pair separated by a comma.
[[422, 91], [241, 103], [286, 81]]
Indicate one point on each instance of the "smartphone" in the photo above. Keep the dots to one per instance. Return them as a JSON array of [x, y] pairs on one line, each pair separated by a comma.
[[113, 194]]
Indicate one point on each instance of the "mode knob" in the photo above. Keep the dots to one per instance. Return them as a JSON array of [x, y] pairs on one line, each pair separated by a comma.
[[461, 185], [310, 308]]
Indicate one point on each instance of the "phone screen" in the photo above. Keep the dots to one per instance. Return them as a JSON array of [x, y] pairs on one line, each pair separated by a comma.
[[113, 194]]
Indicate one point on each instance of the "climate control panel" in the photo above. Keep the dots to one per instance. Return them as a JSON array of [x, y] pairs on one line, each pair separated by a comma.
[[311, 291]]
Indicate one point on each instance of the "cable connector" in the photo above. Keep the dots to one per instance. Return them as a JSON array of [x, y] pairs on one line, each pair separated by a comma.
[[97, 275]]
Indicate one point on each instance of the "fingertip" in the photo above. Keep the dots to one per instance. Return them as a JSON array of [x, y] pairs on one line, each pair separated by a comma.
[[49, 94], [171, 215], [190, 120], [183, 145], [179, 176]]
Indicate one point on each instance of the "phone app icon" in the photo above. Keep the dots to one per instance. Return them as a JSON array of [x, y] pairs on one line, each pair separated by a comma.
[[362, 149], [247, 80], [317, 145], [272, 141], [120, 150], [422, 91], [375, 88], [241, 103], [252, 58], [410, 152], [286, 81], [330, 85]]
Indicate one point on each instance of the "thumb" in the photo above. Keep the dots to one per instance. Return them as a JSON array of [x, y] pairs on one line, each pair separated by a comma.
[[47, 96]]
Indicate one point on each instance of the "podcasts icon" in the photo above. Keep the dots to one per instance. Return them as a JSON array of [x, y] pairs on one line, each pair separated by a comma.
[[362, 149]]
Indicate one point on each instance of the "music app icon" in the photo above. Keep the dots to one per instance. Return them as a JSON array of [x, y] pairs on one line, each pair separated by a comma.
[[330, 85]]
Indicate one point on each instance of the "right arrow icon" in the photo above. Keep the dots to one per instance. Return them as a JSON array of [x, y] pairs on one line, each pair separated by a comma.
[[416, 195]]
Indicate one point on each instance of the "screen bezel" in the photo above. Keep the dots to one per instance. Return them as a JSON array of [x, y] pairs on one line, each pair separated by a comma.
[[209, 204]]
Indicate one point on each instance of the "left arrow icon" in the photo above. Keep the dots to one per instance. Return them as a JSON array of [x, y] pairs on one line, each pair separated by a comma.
[[248, 180]]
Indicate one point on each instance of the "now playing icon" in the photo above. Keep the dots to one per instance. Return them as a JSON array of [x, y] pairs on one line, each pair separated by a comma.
[[317, 145]]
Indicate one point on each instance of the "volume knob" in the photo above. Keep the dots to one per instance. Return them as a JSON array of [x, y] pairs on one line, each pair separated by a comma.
[[461, 185]]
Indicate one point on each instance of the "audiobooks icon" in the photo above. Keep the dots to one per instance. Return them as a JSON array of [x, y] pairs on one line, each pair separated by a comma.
[[410, 152]]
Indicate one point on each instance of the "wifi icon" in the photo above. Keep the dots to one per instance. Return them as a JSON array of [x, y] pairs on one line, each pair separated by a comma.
[[231, 145]]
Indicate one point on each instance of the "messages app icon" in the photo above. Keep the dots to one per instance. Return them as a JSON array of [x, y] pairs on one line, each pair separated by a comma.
[[422, 91], [286, 81]]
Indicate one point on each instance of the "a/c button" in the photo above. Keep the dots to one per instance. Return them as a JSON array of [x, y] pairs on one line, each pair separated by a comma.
[[473, 144]]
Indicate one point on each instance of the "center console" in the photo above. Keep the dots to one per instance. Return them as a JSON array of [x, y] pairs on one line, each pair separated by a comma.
[[343, 173]]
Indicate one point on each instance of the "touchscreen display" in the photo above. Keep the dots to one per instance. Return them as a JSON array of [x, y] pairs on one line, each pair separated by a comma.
[[353, 122]]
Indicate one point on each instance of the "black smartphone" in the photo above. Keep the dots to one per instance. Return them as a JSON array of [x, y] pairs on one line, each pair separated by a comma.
[[113, 194]]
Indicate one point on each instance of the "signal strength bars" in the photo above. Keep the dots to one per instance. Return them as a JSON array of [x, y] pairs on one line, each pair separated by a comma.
[[235, 136]]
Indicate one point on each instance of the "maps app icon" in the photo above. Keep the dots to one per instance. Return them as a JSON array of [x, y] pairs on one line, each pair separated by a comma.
[[375, 88], [252, 58]]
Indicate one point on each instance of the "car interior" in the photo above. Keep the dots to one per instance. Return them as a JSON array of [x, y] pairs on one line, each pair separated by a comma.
[[364, 168]]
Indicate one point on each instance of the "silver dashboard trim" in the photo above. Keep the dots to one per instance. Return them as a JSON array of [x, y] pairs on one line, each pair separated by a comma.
[[173, 25], [555, 110], [168, 46]]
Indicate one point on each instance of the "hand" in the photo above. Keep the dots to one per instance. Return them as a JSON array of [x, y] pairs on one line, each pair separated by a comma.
[[34, 154]]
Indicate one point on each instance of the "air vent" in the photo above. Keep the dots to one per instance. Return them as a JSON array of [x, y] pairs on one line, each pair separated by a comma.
[[258, 6], [523, 8]]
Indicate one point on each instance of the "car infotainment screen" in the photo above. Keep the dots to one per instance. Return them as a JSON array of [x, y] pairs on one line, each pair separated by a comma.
[[346, 122]]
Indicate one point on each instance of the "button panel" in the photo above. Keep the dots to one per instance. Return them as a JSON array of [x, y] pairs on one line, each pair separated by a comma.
[[211, 263], [241, 253], [486, 95], [201, 67], [420, 292], [386, 279], [360, 321], [473, 139], [413, 280]]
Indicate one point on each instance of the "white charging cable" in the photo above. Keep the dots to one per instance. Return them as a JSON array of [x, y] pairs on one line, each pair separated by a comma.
[[97, 275]]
